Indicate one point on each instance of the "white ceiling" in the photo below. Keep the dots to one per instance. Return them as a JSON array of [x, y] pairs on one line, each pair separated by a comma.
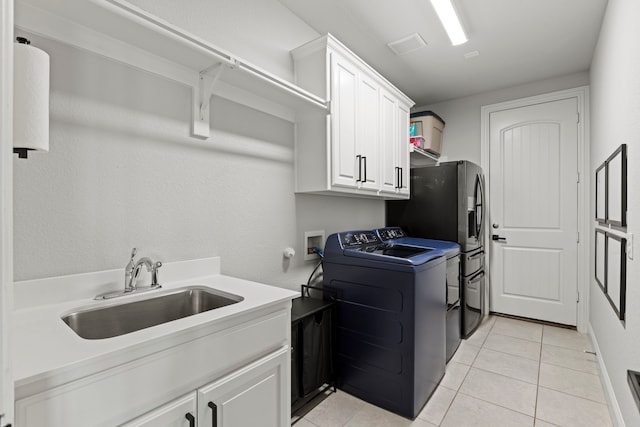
[[518, 41]]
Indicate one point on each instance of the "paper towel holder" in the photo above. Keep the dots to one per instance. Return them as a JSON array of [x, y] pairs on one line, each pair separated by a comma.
[[22, 152]]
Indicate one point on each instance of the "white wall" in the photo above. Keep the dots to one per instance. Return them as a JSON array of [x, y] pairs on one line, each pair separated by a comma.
[[615, 120], [122, 170], [261, 31], [461, 139]]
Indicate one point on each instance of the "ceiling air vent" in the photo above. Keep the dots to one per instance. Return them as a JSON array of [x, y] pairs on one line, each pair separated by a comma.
[[407, 44]]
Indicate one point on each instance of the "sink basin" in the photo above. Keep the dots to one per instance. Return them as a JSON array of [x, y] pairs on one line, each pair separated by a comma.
[[120, 319]]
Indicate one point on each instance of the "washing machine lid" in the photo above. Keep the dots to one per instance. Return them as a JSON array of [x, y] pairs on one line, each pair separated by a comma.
[[398, 236], [366, 244], [393, 250]]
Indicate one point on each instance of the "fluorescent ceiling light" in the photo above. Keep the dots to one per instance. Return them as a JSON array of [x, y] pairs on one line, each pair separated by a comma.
[[450, 21]]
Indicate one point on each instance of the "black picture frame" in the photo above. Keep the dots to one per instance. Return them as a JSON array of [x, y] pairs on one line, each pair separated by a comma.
[[601, 193], [601, 259], [616, 187], [611, 189], [616, 275]]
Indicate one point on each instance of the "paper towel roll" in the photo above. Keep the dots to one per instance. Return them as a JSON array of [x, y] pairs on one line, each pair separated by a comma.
[[30, 98]]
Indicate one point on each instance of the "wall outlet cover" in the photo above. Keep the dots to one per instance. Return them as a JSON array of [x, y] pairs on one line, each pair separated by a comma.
[[312, 239]]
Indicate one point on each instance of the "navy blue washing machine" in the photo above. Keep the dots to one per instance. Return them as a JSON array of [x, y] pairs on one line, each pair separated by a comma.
[[391, 308], [452, 285]]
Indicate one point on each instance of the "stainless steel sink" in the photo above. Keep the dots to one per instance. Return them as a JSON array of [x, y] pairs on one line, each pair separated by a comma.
[[120, 319]]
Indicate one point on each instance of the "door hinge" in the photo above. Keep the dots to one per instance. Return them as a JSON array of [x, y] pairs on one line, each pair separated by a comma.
[[578, 297], [578, 237], [577, 117], [578, 181]]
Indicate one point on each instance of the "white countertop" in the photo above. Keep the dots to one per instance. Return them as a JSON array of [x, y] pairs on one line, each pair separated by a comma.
[[47, 352]]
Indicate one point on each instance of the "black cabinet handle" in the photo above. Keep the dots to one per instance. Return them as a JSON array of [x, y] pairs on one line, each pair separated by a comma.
[[400, 186], [359, 159], [214, 414], [365, 169], [192, 420]]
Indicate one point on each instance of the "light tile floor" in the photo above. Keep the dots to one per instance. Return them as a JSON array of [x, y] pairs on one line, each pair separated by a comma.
[[509, 373]]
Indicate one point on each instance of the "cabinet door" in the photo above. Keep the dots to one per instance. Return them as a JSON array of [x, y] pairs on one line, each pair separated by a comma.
[[368, 133], [256, 395], [388, 138], [178, 413], [403, 149], [344, 86]]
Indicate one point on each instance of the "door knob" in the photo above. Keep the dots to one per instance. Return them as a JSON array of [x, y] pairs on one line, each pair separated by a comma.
[[495, 226], [497, 238]]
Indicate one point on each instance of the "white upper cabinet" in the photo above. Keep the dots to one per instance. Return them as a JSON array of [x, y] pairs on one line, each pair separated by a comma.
[[368, 135], [362, 146], [343, 131], [388, 132], [403, 149]]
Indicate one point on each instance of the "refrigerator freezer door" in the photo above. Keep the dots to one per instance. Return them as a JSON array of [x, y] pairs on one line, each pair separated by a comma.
[[473, 303]]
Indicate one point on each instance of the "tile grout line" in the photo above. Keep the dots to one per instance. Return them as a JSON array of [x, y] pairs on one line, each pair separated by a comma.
[[510, 354], [465, 375], [499, 405], [573, 395], [535, 407], [502, 375]]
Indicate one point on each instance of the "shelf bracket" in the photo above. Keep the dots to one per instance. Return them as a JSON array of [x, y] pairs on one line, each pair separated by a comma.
[[207, 80]]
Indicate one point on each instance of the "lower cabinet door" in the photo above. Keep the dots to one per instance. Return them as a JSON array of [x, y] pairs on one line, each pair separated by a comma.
[[256, 395], [178, 413]]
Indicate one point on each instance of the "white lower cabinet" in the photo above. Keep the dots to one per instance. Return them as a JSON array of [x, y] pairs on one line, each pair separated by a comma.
[[251, 396], [179, 413], [243, 368]]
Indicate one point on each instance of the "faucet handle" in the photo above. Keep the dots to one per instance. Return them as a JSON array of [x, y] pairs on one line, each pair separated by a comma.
[[128, 272], [154, 273]]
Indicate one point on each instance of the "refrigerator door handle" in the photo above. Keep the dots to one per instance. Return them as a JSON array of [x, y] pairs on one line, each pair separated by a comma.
[[477, 278], [478, 255], [479, 207]]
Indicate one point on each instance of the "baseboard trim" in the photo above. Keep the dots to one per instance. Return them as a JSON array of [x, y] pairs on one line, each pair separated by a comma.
[[612, 402]]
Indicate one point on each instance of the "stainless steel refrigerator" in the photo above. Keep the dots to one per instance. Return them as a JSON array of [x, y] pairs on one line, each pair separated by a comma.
[[447, 203]]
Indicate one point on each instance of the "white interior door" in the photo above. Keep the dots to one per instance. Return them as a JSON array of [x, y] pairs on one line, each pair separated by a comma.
[[533, 211]]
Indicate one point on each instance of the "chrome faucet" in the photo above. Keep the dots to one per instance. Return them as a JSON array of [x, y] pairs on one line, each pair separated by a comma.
[[135, 273], [131, 275]]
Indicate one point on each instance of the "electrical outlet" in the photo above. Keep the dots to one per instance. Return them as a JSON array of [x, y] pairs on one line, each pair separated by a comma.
[[312, 239]]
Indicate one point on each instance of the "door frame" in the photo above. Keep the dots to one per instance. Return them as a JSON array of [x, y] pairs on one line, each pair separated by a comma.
[[581, 94], [6, 210]]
